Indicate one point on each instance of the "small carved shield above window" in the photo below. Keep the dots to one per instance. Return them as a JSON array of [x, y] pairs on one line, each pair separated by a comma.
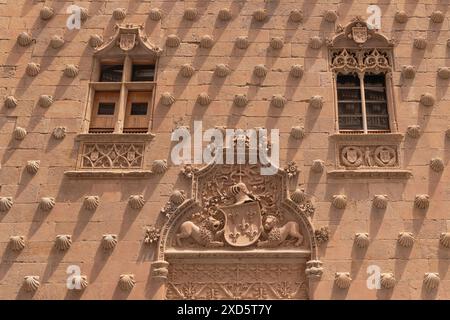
[[127, 41], [359, 34]]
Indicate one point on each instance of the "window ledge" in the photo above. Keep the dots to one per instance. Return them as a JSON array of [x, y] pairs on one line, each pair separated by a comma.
[[116, 137], [109, 174], [370, 173]]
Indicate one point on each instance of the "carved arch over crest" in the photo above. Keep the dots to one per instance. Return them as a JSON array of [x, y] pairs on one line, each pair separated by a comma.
[[358, 34], [222, 193], [127, 38]]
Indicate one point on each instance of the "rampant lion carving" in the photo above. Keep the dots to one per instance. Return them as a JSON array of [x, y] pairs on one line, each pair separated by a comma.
[[277, 235], [204, 233]]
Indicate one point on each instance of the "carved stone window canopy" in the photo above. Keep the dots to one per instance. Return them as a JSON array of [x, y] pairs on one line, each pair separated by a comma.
[[375, 155], [111, 156]]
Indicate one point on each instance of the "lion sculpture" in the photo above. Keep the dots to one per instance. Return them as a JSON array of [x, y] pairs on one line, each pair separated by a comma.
[[204, 233], [277, 235]]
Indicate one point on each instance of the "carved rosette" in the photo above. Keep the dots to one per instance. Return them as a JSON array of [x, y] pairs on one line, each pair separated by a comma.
[[291, 169], [406, 239], [109, 241], [136, 201], [362, 240], [339, 201], [240, 100], [422, 201], [91, 202], [31, 283], [188, 171], [46, 203], [32, 166], [152, 234], [444, 239], [387, 280], [314, 269], [173, 41], [413, 131], [126, 282], [296, 16], [322, 235], [342, 280], [63, 242], [380, 201], [206, 42], [10, 102], [242, 42], [17, 243], [6, 203], [437, 164], [59, 133], [431, 280], [260, 15]]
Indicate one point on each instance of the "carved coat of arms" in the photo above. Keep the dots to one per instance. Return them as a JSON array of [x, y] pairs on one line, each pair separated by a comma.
[[359, 34], [243, 223], [127, 41]]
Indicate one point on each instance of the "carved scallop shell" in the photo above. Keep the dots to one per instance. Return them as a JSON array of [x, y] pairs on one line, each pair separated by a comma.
[[91, 202], [6, 203], [31, 283], [380, 201], [298, 132], [387, 280], [56, 42], [242, 42], [401, 16], [362, 240], [339, 201], [80, 282], [159, 166], [278, 101], [260, 71], [33, 69], [431, 280], [155, 14], [437, 16], [276, 43], [17, 243], [413, 131], [109, 241], [240, 100], [203, 99], [206, 42], [46, 13], [45, 100], [63, 242], [408, 72], [177, 197], [342, 280], [187, 70], [437, 164], [422, 201], [315, 42], [225, 14], [448, 43], [420, 43], [10, 102], [126, 282], [318, 166], [19, 133], [24, 39], [136, 201], [84, 14], [296, 71], [330, 15], [298, 196], [173, 41], [222, 70], [95, 40], [33, 166], [444, 73], [167, 99], [427, 99], [447, 133], [47, 203], [71, 70], [59, 132], [405, 239], [260, 15], [444, 239], [296, 15], [190, 14], [119, 13], [316, 102]]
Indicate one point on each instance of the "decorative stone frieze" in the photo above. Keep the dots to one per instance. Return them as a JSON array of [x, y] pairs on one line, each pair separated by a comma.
[[176, 198]]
